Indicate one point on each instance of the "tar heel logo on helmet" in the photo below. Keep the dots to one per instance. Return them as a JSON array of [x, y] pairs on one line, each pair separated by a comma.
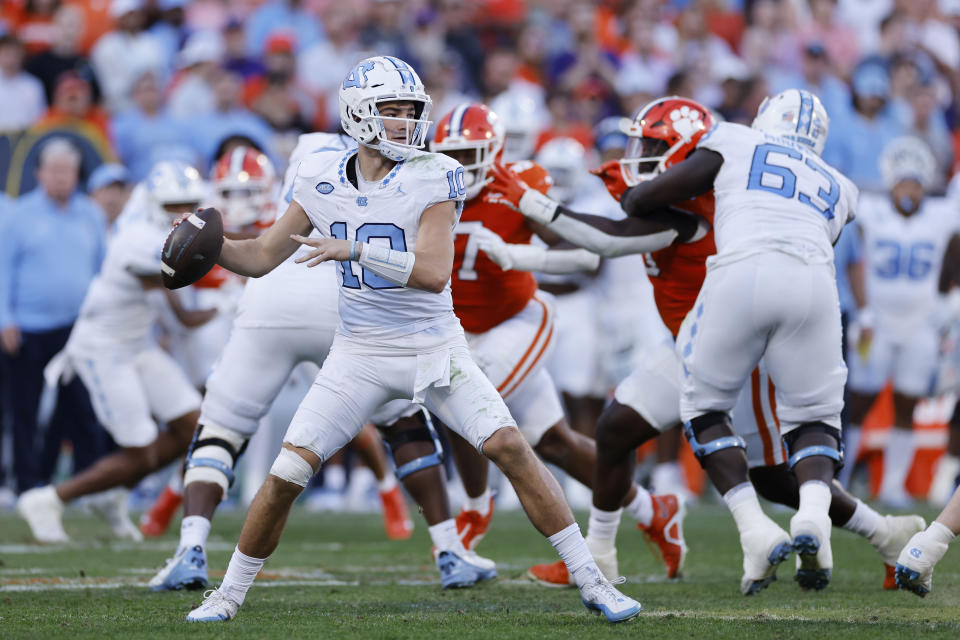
[[324, 188]]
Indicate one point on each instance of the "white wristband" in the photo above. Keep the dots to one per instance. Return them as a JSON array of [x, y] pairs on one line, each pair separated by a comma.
[[537, 206], [864, 318], [393, 266]]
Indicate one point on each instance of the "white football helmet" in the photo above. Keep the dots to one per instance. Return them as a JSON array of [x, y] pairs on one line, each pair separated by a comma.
[[795, 114], [172, 182], [565, 161], [523, 119], [907, 158], [374, 81]]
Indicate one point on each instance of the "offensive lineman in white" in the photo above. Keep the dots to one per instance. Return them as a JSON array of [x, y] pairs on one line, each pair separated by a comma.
[[770, 292], [904, 236], [387, 213]]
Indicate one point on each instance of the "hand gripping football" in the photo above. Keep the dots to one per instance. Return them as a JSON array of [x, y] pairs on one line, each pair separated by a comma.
[[192, 248]]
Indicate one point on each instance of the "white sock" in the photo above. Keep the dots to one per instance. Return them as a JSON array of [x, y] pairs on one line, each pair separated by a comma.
[[666, 476], [602, 527], [864, 520], [744, 505], [481, 503], [572, 548], [897, 458], [334, 478], [194, 531], [815, 497], [444, 536], [240, 575], [641, 507], [388, 483]]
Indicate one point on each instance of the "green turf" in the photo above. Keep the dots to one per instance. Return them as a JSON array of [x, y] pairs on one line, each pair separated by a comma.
[[337, 577]]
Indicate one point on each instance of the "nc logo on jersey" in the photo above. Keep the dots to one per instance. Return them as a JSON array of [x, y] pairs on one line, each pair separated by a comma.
[[361, 201], [916, 553], [324, 188]]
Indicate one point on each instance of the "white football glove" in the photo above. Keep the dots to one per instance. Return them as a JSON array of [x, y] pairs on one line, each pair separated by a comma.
[[494, 246]]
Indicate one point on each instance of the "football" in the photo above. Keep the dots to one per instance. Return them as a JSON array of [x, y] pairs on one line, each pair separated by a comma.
[[192, 248]]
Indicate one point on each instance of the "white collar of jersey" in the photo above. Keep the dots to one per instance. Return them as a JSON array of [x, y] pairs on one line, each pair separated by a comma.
[[342, 171]]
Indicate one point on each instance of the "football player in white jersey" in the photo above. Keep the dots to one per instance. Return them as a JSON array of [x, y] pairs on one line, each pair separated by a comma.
[[275, 329], [133, 384], [387, 213], [904, 235], [778, 210]]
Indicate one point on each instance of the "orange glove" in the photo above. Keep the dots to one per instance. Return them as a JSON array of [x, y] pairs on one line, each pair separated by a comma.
[[507, 187], [612, 177]]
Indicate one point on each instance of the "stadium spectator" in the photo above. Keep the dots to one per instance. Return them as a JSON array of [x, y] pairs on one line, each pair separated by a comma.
[[33, 22], [320, 66], [73, 109], [146, 133], [228, 118], [109, 186], [282, 15], [463, 39], [839, 40], [51, 246], [120, 55], [191, 92], [925, 120], [770, 42], [169, 29], [870, 127], [235, 51], [64, 55], [386, 32], [21, 94], [276, 96]]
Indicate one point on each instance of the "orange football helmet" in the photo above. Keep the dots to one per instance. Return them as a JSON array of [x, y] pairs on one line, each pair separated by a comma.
[[244, 186], [663, 133], [471, 127]]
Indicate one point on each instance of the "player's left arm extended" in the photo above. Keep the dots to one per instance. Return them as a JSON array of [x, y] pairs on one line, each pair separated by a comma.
[[657, 229], [428, 267], [561, 258]]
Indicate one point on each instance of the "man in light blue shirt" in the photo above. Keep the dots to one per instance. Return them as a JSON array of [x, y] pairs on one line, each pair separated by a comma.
[[51, 245]]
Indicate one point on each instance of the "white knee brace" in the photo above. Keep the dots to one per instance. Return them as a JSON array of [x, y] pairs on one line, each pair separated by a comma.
[[291, 467], [213, 455]]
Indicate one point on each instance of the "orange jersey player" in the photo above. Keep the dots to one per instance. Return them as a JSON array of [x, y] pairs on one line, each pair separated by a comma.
[[509, 323]]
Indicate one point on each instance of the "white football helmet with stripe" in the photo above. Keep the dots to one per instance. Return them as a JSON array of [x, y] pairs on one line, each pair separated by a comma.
[[375, 81], [172, 182], [795, 114]]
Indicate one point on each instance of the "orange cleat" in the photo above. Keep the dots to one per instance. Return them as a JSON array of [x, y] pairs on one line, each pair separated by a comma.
[[890, 579], [396, 518], [553, 575], [472, 526], [666, 531], [156, 521]]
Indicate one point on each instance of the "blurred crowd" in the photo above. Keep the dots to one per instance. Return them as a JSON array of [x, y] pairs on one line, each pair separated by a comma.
[[142, 80], [128, 83]]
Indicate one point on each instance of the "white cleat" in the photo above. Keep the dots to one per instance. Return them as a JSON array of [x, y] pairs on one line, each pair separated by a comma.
[[893, 533], [43, 511], [112, 507], [811, 541], [764, 546], [216, 607], [606, 560], [600, 596], [916, 562]]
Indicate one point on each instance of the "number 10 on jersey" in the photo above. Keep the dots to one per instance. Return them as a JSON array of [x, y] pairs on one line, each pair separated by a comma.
[[365, 232]]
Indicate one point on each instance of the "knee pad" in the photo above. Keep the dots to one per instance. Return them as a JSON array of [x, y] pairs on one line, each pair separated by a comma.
[[693, 428], [213, 455], [292, 468], [796, 455], [426, 433]]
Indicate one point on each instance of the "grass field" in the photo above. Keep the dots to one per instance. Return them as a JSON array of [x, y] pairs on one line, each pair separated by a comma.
[[336, 576]]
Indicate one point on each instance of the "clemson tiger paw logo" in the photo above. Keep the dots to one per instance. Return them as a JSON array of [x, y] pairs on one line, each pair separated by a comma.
[[685, 120]]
